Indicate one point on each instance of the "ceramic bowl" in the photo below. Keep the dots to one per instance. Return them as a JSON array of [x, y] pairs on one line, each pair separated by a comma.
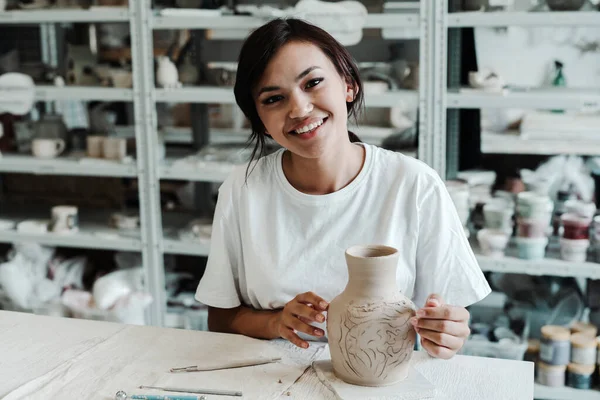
[[532, 227], [531, 248], [492, 242]]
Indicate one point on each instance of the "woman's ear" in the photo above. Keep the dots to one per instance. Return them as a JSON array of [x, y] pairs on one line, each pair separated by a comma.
[[351, 92]]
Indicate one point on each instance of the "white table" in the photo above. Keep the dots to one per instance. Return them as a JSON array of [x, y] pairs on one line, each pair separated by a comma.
[[59, 358]]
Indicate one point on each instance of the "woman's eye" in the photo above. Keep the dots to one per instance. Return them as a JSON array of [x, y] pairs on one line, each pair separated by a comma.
[[272, 99], [313, 82]]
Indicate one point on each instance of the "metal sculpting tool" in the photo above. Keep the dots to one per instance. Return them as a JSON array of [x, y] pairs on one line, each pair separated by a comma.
[[235, 364], [195, 391]]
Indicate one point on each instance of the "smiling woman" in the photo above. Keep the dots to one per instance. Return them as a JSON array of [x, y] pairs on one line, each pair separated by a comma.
[[281, 229]]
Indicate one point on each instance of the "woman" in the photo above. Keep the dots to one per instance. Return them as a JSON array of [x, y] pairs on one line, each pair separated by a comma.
[[282, 223]]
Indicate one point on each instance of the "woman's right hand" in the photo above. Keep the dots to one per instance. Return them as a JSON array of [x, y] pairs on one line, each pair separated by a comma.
[[298, 314]]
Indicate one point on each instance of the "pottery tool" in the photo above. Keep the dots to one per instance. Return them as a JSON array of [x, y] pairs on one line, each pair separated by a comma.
[[121, 395], [196, 391], [227, 365]]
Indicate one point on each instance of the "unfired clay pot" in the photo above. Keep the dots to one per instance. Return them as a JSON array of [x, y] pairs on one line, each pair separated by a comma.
[[370, 337]]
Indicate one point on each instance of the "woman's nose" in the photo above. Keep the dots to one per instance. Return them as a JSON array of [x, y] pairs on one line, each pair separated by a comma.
[[300, 105]]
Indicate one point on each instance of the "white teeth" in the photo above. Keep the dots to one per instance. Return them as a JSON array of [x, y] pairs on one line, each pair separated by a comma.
[[309, 127]]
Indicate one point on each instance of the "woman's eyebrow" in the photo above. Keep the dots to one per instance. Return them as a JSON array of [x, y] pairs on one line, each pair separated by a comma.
[[300, 76]]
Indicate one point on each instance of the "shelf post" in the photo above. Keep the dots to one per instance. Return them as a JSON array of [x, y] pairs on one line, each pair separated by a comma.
[[146, 138]]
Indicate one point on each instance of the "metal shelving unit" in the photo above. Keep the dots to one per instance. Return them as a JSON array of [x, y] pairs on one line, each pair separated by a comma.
[[564, 393], [71, 165], [521, 18], [245, 23], [447, 77], [551, 98], [513, 143], [48, 93], [94, 14], [142, 20]]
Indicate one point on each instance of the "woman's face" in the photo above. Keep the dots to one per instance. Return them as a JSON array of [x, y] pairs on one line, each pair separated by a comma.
[[301, 100]]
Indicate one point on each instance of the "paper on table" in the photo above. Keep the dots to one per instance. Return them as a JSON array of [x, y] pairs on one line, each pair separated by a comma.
[[143, 356], [414, 387]]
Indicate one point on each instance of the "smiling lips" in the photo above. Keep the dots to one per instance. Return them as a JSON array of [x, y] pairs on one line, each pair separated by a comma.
[[309, 127]]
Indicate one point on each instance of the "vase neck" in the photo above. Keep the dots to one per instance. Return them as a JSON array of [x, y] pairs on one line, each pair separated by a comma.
[[370, 278]]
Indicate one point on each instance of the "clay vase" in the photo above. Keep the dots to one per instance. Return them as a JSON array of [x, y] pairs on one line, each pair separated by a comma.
[[370, 337]]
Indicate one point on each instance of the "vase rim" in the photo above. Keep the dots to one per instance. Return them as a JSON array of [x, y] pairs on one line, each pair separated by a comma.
[[370, 251]]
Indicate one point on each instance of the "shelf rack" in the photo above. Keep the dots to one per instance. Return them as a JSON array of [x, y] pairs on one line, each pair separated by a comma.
[[142, 20], [446, 78]]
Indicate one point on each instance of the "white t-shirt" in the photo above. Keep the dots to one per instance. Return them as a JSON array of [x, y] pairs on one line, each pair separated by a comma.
[[271, 242]]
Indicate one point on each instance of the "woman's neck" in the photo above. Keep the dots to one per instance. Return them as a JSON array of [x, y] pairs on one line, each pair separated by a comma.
[[327, 174]]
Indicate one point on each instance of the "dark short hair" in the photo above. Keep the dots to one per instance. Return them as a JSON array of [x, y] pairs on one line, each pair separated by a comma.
[[262, 45]]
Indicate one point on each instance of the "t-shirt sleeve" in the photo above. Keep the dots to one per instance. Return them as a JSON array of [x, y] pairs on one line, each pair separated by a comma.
[[219, 286], [445, 263]]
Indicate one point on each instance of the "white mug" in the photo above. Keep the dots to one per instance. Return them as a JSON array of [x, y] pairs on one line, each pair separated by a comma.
[[47, 148], [95, 146], [114, 148], [64, 219]]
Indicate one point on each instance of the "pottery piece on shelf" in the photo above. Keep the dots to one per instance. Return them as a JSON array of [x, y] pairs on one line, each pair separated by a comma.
[[370, 337], [565, 5]]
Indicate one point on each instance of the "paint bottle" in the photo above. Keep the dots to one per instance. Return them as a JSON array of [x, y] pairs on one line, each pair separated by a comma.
[[551, 375], [583, 327], [555, 346], [583, 349], [580, 376]]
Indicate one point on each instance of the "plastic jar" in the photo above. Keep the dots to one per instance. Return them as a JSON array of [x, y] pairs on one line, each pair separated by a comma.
[[575, 227], [534, 205], [580, 376], [555, 345], [583, 349], [581, 208], [551, 375], [574, 250], [531, 248], [532, 227]]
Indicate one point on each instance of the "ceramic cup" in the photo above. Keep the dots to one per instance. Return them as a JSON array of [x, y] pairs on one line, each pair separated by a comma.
[[114, 148], [64, 219], [47, 148], [95, 145]]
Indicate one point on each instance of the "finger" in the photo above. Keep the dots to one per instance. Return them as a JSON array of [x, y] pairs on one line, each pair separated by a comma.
[[458, 329], [434, 300], [301, 310], [451, 313], [311, 298], [292, 322], [436, 351], [441, 339], [292, 337]]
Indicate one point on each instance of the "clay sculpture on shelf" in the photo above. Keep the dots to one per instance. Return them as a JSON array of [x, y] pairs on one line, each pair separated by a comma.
[[370, 337]]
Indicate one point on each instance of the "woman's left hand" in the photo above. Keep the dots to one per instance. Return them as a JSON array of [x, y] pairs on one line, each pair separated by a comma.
[[443, 328]]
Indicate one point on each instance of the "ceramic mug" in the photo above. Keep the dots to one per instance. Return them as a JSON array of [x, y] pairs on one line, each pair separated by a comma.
[[64, 219], [114, 148], [47, 148], [95, 146]]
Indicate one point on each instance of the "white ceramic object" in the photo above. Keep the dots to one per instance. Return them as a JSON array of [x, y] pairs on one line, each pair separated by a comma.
[[65, 220], [17, 93], [47, 148], [6, 225], [531, 248], [493, 242], [581, 208], [33, 226], [95, 146], [498, 215], [370, 337], [167, 75], [574, 250], [2, 5], [114, 148]]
